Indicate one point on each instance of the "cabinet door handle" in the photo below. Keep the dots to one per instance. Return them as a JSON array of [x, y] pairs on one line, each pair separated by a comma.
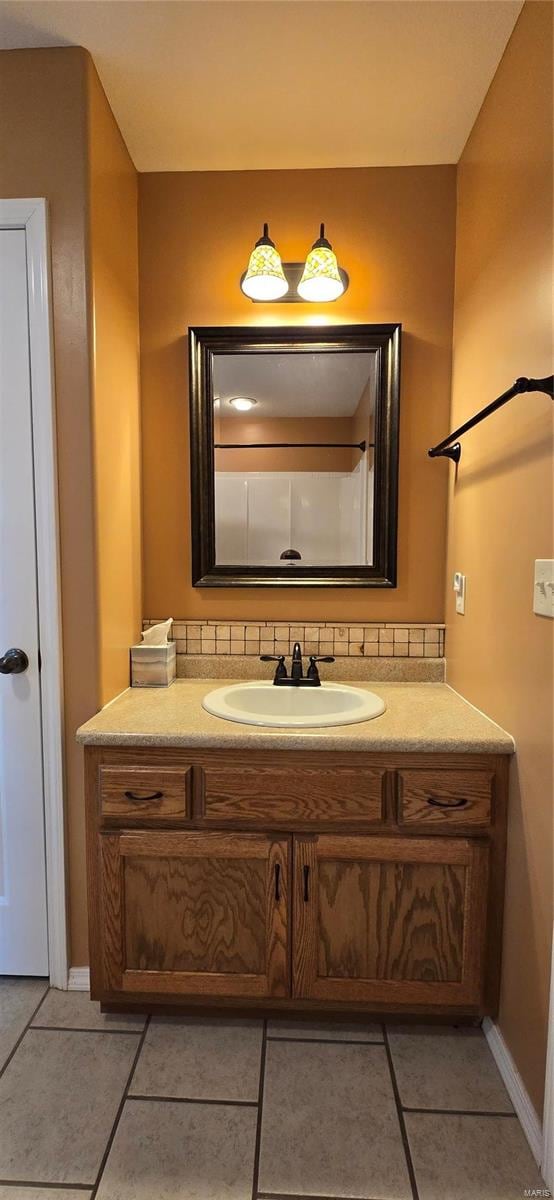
[[441, 802], [277, 883], [143, 799], [306, 871]]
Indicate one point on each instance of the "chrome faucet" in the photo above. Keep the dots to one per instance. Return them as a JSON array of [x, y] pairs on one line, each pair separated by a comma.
[[296, 677]]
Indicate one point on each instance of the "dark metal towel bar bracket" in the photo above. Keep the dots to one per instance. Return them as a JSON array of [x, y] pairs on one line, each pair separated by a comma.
[[450, 446]]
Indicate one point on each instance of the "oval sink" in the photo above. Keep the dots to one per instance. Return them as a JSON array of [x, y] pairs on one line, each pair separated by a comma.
[[302, 708]]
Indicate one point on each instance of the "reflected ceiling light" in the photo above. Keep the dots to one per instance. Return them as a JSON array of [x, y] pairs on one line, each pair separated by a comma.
[[242, 403], [321, 280], [264, 279]]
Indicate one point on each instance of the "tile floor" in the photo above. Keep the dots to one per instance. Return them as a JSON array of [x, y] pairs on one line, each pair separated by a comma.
[[125, 1108]]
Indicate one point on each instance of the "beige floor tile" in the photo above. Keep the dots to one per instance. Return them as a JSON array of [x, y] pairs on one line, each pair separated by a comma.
[[173, 1151], [443, 1067], [18, 1000], [470, 1158], [336, 1031], [24, 1193], [59, 1097], [76, 1010], [200, 1059], [329, 1123]]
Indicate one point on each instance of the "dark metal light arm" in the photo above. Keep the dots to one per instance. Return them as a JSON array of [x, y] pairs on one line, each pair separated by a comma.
[[450, 446]]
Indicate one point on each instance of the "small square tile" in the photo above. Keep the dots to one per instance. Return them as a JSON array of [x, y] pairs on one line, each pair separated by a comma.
[[281, 647], [337, 1031], [329, 1123], [76, 1010], [266, 646], [77, 1077], [311, 633], [401, 635], [223, 631], [431, 637], [416, 650], [386, 650], [171, 1151], [296, 633], [341, 647], [470, 1158], [371, 635], [252, 633], [444, 1067], [386, 636], [355, 649], [431, 651], [237, 648], [238, 633], [326, 647], [355, 633], [400, 649], [194, 631], [371, 649], [311, 648], [341, 633], [416, 635], [282, 632], [200, 1060], [194, 646]]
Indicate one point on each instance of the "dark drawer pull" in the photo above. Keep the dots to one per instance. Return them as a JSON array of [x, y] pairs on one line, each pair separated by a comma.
[[306, 884], [277, 883], [143, 799], [456, 802]]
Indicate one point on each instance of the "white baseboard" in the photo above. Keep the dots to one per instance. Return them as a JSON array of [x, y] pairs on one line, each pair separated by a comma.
[[515, 1087], [79, 979]]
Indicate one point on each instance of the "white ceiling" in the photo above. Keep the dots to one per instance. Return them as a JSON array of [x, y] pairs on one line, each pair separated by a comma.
[[293, 385], [235, 85]]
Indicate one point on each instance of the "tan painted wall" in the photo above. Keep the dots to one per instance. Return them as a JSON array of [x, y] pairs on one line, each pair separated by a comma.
[[499, 654], [393, 229], [59, 140], [116, 390]]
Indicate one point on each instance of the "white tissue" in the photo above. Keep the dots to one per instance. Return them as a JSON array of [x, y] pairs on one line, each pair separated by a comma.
[[157, 635]]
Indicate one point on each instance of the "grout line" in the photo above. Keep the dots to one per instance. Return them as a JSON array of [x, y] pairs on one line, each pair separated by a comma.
[[130, 1077], [77, 1029], [194, 1100], [401, 1121], [59, 1187], [325, 1041], [458, 1112], [260, 1114], [23, 1032], [297, 1196]]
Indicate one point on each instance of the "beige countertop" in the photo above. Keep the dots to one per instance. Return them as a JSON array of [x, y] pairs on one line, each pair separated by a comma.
[[419, 717]]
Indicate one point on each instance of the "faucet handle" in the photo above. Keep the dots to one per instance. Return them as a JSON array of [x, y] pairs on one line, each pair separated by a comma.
[[315, 658], [313, 673], [280, 670]]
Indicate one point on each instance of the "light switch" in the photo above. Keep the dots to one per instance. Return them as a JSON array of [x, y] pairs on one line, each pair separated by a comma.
[[459, 585], [543, 593]]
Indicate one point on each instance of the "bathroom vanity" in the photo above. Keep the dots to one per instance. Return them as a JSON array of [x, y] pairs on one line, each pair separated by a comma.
[[359, 869]]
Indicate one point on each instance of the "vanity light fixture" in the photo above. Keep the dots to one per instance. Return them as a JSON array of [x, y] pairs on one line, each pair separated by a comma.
[[264, 279], [318, 280], [321, 280], [242, 403]]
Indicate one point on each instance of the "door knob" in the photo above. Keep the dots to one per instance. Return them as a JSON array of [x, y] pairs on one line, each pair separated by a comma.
[[13, 662]]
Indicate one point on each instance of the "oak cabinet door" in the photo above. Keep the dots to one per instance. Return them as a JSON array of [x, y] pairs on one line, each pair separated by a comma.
[[195, 913], [389, 920]]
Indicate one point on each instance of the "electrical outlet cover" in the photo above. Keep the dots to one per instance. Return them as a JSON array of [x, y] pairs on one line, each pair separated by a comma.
[[543, 592]]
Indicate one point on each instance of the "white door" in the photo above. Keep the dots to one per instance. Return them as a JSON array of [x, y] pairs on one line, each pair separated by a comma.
[[23, 924]]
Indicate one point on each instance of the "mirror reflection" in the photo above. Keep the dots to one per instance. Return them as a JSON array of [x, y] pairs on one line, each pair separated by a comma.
[[294, 458]]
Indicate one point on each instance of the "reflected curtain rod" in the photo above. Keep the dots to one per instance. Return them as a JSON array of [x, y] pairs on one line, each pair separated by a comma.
[[444, 449], [294, 446]]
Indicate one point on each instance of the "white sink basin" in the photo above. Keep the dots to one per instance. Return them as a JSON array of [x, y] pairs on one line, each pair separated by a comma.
[[302, 708]]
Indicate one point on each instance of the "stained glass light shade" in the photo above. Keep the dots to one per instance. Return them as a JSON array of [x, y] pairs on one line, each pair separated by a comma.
[[321, 279], [265, 278]]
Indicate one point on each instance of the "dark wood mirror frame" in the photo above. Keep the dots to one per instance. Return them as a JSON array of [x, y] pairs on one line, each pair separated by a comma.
[[204, 343]]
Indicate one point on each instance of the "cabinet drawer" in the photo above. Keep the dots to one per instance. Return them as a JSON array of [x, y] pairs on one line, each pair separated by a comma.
[[280, 795], [141, 793], [445, 797]]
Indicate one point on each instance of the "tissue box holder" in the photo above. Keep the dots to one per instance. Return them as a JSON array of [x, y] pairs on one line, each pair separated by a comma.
[[153, 666]]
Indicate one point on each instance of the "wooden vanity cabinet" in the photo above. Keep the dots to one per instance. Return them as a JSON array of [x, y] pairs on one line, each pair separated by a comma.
[[296, 881]]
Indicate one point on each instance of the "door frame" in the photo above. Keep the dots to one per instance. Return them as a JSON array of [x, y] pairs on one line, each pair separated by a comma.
[[31, 215]]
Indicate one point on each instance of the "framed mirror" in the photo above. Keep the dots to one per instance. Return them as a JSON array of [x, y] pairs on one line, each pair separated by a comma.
[[294, 455]]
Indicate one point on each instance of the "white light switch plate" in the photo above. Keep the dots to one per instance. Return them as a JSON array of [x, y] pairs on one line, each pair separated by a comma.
[[459, 585], [543, 593]]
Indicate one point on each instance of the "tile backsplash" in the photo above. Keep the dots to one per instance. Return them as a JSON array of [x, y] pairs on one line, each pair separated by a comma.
[[347, 640]]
